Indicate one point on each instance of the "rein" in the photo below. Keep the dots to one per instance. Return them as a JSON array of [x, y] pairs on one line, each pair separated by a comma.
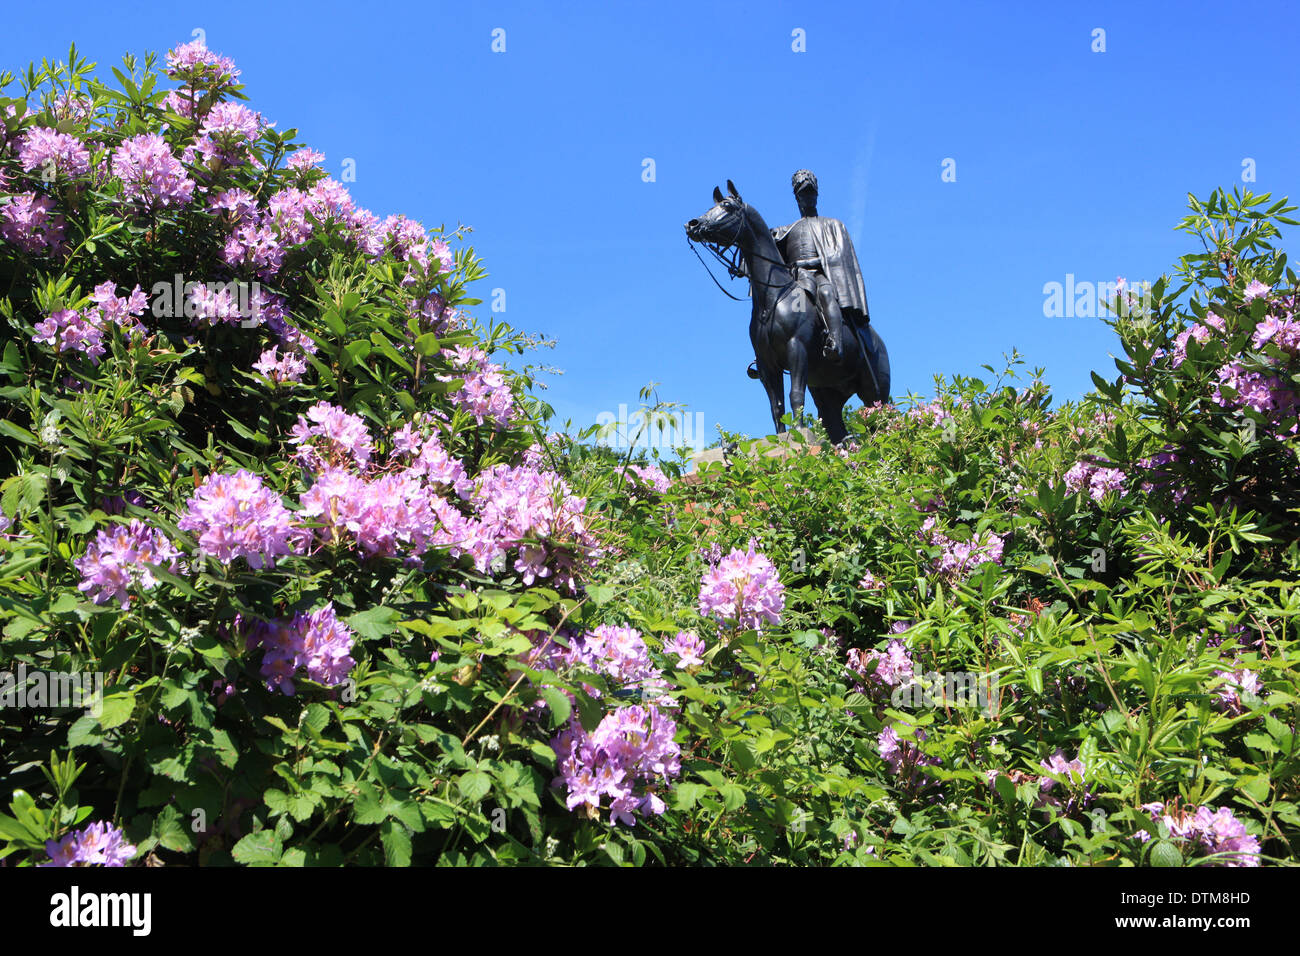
[[731, 268], [732, 265]]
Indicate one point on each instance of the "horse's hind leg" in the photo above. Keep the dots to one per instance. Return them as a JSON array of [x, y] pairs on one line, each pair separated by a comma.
[[830, 409], [798, 360]]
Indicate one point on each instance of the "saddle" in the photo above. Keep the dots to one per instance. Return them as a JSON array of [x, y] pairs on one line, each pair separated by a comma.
[[856, 322]]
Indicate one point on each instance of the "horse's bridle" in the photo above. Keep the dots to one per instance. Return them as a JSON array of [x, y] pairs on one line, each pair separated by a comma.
[[732, 264]]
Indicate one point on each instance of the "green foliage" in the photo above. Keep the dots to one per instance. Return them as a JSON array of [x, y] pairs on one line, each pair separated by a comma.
[[1142, 625]]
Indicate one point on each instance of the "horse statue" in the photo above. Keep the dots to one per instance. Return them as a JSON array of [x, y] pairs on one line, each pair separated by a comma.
[[784, 326]]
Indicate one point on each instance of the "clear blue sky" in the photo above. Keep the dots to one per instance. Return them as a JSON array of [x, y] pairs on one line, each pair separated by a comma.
[[1067, 161]]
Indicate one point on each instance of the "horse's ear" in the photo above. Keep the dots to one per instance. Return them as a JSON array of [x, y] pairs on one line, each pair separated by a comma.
[[731, 188], [717, 194]]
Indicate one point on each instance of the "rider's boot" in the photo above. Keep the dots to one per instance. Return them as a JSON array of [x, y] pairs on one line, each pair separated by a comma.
[[834, 320], [832, 341]]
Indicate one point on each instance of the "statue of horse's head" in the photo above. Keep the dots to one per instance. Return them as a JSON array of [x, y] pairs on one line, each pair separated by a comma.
[[724, 223]]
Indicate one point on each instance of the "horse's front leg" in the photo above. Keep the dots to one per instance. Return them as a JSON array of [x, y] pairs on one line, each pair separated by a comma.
[[771, 379], [797, 356]]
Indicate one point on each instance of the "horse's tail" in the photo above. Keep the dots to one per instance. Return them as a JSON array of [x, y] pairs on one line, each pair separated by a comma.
[[876, 360]]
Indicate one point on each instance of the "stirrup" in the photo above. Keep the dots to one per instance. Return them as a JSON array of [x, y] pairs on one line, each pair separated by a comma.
[[752, 371]]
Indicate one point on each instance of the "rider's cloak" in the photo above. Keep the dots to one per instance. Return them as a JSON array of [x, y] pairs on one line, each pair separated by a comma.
[[839, 261]]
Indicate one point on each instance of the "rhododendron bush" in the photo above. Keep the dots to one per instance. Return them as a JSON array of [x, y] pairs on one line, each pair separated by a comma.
[[339, 594]]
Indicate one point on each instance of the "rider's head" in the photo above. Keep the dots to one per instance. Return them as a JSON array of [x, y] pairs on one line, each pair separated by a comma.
[[805, 191]]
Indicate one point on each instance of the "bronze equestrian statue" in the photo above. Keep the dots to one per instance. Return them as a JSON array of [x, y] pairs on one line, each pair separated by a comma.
[[798, 314]]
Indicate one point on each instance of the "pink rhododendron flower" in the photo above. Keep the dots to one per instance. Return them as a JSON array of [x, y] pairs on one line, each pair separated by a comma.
[[903, 757], [689, 649], [649, 475], [318, 642], [957, 559], [30, 222], [1073, 771], [893, 667], [198, 66], [70, 330], [1217, 833], [122, 558], [631, 748], [1255, 290], [151, 176], [1094, 479], [871, 583], [743, 589], [46, 150], [283, 369], [305, 158], [329, 435], [99, 844], [485, 394], [237, 516]]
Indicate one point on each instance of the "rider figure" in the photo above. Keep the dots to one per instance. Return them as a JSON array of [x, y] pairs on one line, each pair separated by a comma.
[[820, 254]]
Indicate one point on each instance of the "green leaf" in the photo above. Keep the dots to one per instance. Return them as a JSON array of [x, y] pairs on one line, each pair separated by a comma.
[[474, 786], [117, 710], [397, 843], [558, 703], [1164, 853], [172, 834], [374, 623], [258, 849]]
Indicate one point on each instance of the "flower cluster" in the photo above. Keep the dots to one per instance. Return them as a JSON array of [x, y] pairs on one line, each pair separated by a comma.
[[218, 305], [99, 844], [931, 413], [151, 176], [122, 557], [70, 330], [903, 757], [1217, 832], [429, 460], [1202, 333], [237, 516], [1094, 479], [620, 654], [882, 670], [870, 582], [743, 589], [343, 438], [53, 153], [1073, 771], [281, 369], [1160, 477], [393, 515], [433, 314], [485, 394], [642, 475], [688, 647], [30, 222], [1281, 333], [318, 642], [225, 134], [533, 513], [193, 63], [1266, 393], [630, 746], [1236, 679], [957, 559], [260, 239]]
